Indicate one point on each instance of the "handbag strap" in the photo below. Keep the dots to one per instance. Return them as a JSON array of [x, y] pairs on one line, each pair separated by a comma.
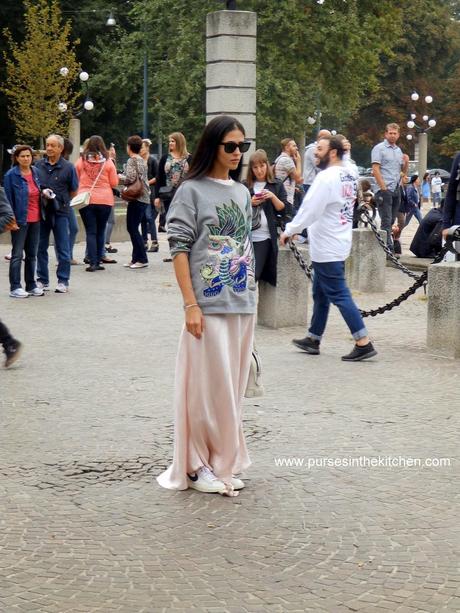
[[97, 178]]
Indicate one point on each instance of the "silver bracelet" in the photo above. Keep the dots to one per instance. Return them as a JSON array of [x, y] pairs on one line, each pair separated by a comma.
[[189, 306]]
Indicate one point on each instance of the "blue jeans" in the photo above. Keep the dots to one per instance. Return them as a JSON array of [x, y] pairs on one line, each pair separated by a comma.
[[110, 225], [60, 227], [148, 223], [436, 199], [329, 285], [95, 218], [73, 230], [25, 239], [416, 212], [134, 215]]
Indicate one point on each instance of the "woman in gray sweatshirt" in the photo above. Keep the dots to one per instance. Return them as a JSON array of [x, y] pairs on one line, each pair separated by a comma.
[[209, 226]]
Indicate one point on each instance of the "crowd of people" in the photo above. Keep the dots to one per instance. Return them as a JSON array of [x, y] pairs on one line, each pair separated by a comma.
[[223, 239]]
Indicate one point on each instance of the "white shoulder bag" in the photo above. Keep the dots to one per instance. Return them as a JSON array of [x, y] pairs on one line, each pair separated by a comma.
[[82, 199]]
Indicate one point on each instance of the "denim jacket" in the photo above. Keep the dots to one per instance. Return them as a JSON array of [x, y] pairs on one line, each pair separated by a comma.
[[17, 192]]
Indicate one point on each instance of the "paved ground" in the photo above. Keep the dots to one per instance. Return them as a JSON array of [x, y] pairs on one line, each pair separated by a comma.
[[86, 424]]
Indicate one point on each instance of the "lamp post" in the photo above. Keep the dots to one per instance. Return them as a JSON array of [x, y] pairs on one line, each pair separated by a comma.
[[74, 121], [422, 131]]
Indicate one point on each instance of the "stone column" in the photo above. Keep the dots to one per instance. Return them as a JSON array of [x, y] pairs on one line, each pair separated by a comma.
[[422, 153], [231, 68], [443, 326], [286, 304], [74, 137], [365, 268]]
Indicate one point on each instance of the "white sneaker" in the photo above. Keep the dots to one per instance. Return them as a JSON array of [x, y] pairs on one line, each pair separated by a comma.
[[19, 293], [61, 289], [37, 291], [45, 288], [204, 480], [139, 265], [238, 484]]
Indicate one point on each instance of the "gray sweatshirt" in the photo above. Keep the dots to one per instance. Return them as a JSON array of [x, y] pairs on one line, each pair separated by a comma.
[[211, 221]]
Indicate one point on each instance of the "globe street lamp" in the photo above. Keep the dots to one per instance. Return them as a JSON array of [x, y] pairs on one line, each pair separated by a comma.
[[74, 122], [422, 131], [88, 104]]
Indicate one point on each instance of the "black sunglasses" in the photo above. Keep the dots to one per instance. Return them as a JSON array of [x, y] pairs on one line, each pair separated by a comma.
[[230, 146]]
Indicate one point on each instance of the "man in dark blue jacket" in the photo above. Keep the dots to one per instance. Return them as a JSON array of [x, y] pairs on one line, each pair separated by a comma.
[[11, 346], [59, 179]]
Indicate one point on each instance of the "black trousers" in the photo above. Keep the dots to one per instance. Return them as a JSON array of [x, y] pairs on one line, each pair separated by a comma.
[[162, 220], [262, 250], [134, 216], [5, 336]]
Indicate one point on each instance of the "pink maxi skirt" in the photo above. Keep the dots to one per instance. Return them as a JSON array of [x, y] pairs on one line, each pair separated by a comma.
[[211, 378]]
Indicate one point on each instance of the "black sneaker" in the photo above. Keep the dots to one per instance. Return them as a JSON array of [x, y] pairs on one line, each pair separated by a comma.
[[12, 352], [360, 353], [308, 344]]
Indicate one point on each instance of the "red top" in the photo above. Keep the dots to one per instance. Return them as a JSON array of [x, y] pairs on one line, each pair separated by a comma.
[[33, 208]]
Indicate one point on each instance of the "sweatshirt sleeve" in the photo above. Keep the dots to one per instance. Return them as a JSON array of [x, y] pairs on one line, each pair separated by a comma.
[[182, 223], [312, 207]]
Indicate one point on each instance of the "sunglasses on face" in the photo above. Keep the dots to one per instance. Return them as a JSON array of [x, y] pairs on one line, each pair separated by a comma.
[[230, 146]]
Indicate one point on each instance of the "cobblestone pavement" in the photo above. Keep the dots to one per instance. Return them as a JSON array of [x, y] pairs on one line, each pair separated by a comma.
[[86, 424]]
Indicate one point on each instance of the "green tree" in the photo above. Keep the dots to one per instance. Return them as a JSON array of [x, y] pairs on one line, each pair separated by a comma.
[[305, 51], [34, 86], [423, 57]]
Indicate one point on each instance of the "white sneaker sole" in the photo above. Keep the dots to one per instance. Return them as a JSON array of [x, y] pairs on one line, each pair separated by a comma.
[[218, 487], [15, 296]]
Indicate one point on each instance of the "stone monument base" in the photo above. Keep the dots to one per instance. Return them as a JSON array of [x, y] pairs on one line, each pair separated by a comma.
[[443, 328], [286, 304]]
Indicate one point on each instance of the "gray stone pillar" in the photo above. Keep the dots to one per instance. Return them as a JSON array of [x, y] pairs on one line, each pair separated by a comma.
[[443, 327], [422, 153], [231, 67], [286, 304], [365, 268], [74, 137]]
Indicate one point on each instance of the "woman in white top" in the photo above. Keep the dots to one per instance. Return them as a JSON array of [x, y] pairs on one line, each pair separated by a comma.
[[269, 201]]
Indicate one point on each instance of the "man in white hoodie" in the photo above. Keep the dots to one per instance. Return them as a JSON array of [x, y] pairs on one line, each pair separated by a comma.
[[327, 212]]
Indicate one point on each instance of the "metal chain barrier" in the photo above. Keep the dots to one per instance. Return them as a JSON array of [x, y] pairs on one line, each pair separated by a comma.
[[421, 280], [307, 268], [366, 218]]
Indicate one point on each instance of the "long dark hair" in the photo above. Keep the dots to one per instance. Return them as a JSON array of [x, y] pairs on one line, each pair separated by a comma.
[[206, 151], [95, 145]]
